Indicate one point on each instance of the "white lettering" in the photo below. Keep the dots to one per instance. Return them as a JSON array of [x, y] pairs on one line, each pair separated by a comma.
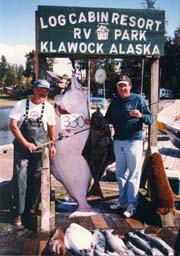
[[43, 46], [117, 33], [87, 32], [156, 50], [121, 50], [146, 49], [72, 18], [91, 17], [123, 20], [142, 35], [91, 48], [134, 35], [132, 21], [130, 49], [83, 47], [115, 17], [72, 47], [77, 33], [61, 20], [113, 49], [42, 23], [125, 35], [99, 48], [82, 18], [149, 24], [139, 49], [104, 17], [158, 23], [52, 21], [62, 47], [51, 47], [141, 22]]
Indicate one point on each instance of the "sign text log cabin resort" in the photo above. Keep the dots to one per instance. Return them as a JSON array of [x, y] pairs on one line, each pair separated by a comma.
[[100, 31]]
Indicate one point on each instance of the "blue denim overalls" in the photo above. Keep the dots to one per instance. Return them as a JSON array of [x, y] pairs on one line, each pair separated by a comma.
[[27, 165]]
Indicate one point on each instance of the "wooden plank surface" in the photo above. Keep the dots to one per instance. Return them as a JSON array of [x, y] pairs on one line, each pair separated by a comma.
[[28, 244]]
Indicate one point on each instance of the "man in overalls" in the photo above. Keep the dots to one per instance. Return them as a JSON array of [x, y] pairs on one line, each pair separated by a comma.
[[32, 122]]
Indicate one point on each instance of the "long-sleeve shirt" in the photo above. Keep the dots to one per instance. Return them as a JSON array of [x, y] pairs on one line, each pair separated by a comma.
[[127, 127]]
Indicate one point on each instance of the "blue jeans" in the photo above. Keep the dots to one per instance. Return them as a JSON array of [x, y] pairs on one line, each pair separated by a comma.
[[128, 157]]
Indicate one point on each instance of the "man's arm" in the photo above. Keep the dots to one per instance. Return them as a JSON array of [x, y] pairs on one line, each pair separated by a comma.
[[18, 135], [51, 134]]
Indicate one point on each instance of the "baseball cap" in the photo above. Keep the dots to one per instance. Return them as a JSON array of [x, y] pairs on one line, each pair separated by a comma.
[[41, 83], [124, 80]]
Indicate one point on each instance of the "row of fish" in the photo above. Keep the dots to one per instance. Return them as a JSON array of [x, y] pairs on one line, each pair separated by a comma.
[[80, 241]]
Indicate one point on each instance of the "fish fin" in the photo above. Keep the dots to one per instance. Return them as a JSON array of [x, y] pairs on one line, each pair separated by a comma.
[[81, 214]]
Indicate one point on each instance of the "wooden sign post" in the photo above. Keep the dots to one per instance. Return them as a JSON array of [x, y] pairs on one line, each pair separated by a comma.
[[45, 195]]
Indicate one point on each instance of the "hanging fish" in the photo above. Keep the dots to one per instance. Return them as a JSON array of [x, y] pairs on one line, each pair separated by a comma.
[[98, 150], [69, 166]]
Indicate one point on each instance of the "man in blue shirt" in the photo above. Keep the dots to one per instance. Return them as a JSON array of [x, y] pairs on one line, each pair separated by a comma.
[[127, 113]]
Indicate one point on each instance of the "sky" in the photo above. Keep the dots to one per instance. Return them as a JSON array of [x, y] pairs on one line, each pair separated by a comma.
[[17, 21]]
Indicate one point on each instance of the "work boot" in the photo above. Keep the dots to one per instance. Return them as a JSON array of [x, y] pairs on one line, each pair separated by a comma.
[[131, 210], [18, 221], [117, 206]]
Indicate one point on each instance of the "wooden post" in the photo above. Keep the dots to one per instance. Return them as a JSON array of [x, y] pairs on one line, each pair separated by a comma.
[[154, 105], [89, 82], [36, 60], [45, 195], [42, 67]]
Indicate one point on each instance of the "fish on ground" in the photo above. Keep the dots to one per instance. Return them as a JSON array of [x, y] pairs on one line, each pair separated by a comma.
[[135, 249], [156, 242], [156, 252], [98, 150], [78, 239], [69, 166], [99, 240], [138, 242], [116, 244], [107, 253]]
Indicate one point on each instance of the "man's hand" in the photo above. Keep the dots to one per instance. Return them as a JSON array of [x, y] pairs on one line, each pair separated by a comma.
[[30, 146], [52, 150], [136, 113]]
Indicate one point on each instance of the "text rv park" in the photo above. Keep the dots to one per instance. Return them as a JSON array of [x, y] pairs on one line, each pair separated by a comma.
[[88, 31]]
